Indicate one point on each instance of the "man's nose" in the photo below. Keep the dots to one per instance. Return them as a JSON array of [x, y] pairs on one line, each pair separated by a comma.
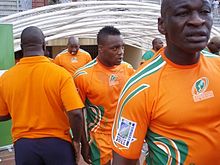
[[196, 19], [121, 50]]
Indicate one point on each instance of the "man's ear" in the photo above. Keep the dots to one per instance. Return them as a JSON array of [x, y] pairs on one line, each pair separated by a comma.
[[100, 48], [44, 46], [21, 46], [161, 26]]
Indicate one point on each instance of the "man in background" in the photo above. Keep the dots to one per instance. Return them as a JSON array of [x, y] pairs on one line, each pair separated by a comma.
[[157, 43], [74, 58], [43, 103], [214, 45]]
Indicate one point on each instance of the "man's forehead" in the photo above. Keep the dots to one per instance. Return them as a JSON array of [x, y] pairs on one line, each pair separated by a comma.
[[73, 44], [112, 38], [185, 3]]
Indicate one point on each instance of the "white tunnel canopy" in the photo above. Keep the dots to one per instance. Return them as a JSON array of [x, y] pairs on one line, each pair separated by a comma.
[[136, 20]]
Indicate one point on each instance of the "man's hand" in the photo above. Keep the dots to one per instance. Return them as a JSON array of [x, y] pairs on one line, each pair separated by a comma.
[[85, 151], [76, 146]]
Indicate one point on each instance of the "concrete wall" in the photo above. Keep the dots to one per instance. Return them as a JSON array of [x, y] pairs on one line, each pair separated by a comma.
[[133, 56]]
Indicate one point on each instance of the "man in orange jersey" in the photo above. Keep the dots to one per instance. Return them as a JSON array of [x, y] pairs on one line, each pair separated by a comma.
[[173, 101], [99, 83], [74, 58], [42, 101]]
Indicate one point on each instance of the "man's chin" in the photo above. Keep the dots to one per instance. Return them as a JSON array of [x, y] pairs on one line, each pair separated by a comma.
[[118, 63], [196, 47]]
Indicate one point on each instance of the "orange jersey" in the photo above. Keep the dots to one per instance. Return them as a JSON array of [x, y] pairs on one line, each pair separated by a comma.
[[99, 87], [72, 62], [175, 108], [36, 93]]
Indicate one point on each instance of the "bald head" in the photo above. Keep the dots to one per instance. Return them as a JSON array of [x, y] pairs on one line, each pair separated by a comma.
[[215, 39], [32, 41], [73, 45], [73, 40], [214, 45], [157, 43]]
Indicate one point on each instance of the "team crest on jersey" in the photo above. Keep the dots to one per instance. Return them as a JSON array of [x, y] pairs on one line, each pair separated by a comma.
[[125, 133], [113, 80], [199, 90], [74, 59]]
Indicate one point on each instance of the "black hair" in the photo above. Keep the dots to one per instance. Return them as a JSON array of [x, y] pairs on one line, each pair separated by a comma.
[[154, 41], [105, 31]]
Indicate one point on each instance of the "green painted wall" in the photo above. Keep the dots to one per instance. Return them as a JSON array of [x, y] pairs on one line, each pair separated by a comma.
[[6, 61]]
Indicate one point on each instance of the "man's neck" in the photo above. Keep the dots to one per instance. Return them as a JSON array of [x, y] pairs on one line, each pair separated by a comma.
[[181, 57]]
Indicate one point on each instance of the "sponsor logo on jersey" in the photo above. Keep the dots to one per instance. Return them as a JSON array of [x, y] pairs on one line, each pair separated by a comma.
[[199, 90], [113, 80], [125, 133], [74, 59]]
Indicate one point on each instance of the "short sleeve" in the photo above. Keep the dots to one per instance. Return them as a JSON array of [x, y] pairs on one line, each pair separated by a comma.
[[89, 58], [69, 94], [131, 122], [3, 106], [130, 69], [57, 60], [81, 83]]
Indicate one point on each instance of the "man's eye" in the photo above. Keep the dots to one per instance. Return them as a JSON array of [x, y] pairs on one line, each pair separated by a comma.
[[114, 49], [205, 11], [182, 14]]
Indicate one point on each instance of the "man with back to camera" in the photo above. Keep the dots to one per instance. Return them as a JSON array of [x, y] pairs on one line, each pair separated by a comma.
[[173, 101], [42, 101], [99, 84], [74, 58]]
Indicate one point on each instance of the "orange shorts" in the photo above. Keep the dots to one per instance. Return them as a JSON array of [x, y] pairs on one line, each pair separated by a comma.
[[101, 148]]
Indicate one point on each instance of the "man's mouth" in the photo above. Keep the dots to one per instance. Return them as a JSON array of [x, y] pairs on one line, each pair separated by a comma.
[[199, 36]]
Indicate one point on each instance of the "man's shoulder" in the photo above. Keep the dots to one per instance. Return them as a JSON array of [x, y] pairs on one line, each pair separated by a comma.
[[86, 69], [56, 69], [126, 64], [148, 54], [62, 54], [83, 52], [150, 51], [206, 53], [151, 68], [211, 59]]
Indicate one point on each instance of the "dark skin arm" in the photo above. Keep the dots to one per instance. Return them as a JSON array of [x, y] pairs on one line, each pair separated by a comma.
[[5, 118], [117, 159], [76, 124], [85, 150]]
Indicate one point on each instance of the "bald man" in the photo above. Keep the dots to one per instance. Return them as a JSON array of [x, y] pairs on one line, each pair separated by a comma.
[[74, 58], [214, 45], [42, 101], [173, 101], [157, 43]]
